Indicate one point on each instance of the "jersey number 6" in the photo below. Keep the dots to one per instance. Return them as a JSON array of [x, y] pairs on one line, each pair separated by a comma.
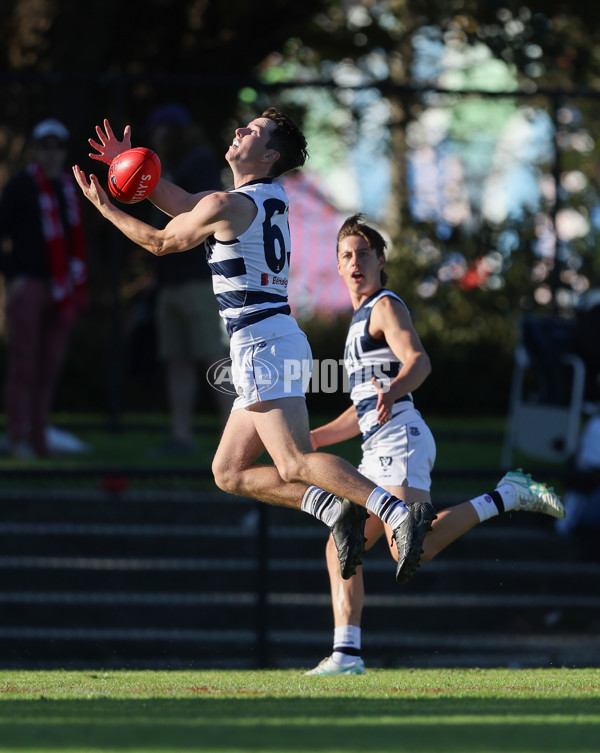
[[275, 250]]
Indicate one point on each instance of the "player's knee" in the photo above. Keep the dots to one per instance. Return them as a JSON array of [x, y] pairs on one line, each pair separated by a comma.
[[292, 470], [226, 477]]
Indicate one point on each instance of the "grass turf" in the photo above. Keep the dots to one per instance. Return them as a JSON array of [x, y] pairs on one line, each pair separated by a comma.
[[422, 711]]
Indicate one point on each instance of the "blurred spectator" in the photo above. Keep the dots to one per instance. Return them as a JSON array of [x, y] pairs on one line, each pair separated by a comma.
[[582, 498], [45, 270], [189, 329]]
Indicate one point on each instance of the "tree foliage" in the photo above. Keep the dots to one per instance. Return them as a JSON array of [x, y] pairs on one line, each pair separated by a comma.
[[78, 62]]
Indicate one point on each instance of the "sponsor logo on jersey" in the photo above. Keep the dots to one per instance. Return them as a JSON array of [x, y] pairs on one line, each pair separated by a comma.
[[413, 431], [266, 279]]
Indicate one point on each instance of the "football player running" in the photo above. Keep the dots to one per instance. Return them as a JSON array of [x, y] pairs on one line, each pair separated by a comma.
[[386, 362]]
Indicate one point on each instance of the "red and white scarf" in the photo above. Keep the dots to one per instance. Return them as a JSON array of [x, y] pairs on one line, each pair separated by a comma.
[[68, 272]]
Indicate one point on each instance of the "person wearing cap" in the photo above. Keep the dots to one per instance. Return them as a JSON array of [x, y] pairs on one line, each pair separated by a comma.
[[45, 272], [187, 316]]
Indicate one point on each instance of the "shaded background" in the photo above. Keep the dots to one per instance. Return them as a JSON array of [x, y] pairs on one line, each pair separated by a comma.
[[468, 133]]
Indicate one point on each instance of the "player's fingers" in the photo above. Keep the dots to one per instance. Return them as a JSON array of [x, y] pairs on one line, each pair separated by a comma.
[[108, 129], [101, 135], [100, 192], [126, 138], [383, 412], [99, 149], [79, 176]]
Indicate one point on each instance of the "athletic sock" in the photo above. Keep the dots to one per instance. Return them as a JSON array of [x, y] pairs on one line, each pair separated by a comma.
[[495, 503], [346, 644], [509, 496], [386, 507], [322, 505]]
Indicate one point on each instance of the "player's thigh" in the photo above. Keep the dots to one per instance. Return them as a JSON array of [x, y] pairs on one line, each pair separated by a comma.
[[283, 428], [240, 445], [407, 494], [410, 494]]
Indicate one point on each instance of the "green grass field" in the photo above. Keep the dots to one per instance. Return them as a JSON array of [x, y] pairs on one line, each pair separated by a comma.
[[422, 711]]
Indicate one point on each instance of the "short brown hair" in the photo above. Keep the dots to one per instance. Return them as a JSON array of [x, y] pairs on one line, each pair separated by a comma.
[[356, 225], [288, 140]]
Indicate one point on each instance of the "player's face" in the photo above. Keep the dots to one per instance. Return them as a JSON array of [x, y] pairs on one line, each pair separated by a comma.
[[359, 265], [250, 143]]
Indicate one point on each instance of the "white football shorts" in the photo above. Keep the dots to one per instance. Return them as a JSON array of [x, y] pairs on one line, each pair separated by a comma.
[[402, 451], [271, 369]]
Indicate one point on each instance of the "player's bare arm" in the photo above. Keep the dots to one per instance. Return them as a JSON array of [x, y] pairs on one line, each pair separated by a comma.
[[345, 426], [173, 200], [221, 214], [390, 319]]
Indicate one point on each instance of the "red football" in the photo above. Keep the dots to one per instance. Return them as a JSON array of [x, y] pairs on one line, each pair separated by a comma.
[[133, 175]]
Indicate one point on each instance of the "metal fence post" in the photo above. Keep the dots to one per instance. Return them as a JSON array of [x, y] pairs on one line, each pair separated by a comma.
[[262, 596]]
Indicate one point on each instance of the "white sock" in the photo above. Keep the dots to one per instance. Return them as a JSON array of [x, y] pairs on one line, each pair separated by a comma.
[[386, 507], [322, 505], [500, 500], [509, 496], [346, 644], [484, 507]]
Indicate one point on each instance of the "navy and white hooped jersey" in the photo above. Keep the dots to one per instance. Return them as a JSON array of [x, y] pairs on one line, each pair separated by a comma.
[[250, 273], [366, 357]]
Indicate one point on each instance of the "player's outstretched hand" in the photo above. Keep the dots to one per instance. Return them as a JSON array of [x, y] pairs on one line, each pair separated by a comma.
[[108, 145], [91, 189]]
